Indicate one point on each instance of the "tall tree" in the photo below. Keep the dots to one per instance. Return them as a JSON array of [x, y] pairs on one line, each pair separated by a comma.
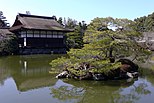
[[60, 20], [75, 39], [149, 23], [139, 22], [70, 23], [3, 21], [145, 23]]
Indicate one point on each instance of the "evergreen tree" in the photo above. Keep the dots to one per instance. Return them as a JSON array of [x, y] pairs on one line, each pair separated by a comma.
[[8, 45], [149, 23], [75, 39], [3, 21], [70, 23], [102, 49], [60, 20], [145, 23]]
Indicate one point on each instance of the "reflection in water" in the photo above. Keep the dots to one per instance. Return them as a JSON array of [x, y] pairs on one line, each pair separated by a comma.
[[25, 67], [96, 92], [26, 79], [133, 93], [28, 72], [66, 93], [148, 75]]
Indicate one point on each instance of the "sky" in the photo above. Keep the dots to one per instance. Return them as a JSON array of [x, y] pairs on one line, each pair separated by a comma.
[[80, 10]]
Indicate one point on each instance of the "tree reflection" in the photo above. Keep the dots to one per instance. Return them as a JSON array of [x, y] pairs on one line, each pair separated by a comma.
[[67, 92], [4, 74], [100, 92], [148, 74]]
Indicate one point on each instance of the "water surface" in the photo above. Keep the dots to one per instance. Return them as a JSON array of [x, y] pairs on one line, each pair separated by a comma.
[[26, 79]]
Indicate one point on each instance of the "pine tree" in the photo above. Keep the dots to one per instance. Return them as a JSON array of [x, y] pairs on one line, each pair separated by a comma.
[[102, 50], [3, 21], [145, 23]]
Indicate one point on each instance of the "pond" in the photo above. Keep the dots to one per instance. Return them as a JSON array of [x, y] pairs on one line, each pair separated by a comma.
[[26, 79]]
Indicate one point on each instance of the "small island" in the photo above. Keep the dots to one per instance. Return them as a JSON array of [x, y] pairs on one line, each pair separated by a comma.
[[126, 70]]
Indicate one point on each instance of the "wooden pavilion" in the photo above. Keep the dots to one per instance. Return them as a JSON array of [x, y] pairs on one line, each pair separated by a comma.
[[39, 34]]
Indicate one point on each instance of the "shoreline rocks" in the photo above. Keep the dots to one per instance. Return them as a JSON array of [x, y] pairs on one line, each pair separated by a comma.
[[128, 69]]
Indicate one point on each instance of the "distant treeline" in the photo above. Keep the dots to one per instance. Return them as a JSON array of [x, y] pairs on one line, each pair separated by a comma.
[[145, 23]]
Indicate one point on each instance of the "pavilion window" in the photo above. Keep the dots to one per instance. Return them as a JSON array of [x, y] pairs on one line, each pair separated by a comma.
[[29, 33], [43, 34], [23, 33], [60, 35], [36, 34], [54, 34], [49, 34]]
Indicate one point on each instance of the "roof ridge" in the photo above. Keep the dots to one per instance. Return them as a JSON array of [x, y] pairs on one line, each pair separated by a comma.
[[4, 27], [35, 16]]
